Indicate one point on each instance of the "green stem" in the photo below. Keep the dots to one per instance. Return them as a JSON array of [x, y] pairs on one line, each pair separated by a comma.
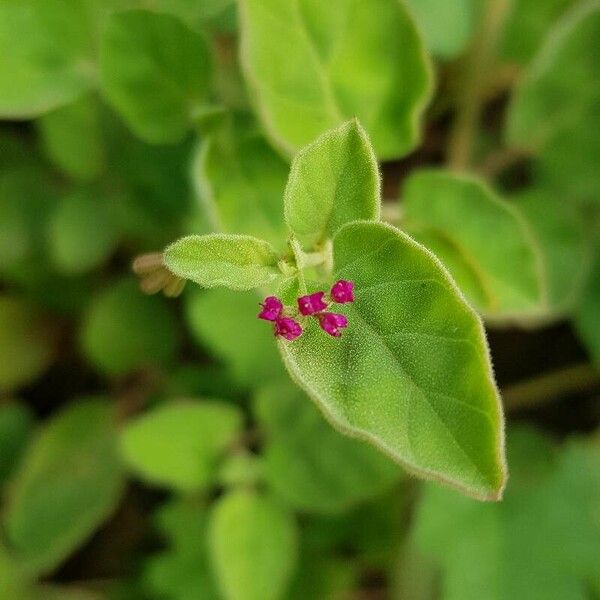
[[480, 61], [549, 386], [299, 257]]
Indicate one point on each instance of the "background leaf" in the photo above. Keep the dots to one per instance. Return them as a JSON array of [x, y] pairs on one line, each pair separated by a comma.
[[15, 427]]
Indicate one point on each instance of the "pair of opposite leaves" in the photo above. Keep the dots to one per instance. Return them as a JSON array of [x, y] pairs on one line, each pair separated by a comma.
[[412, 372]]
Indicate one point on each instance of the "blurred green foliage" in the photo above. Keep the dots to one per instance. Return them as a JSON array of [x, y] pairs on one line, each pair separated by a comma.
[[155, 449]]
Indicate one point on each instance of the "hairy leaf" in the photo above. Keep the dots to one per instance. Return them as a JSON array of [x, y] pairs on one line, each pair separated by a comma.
[[458, 218], [312, 65], [252, 543], [179, 443], [332, 181], [411, 374]]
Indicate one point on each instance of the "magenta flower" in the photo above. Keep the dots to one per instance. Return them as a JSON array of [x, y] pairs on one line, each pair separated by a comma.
[[342, 291], [311, 304], [271, 309], [332, 323], [288, 328]]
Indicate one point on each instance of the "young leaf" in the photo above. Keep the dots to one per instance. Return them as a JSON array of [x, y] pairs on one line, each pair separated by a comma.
[[241, 180], [179, 443], [411, 374], [332, 181], [239, 262], [455, 217], [311, 466], [542, 542], [155, 72], [68, 483], [72, 138], [47, 53], [252, 542], [313, 65]]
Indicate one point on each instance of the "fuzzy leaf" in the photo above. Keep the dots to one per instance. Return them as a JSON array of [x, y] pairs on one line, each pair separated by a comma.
[[332, 181], [252, 542], [311, 466], [179, 443], [68, 483], [411, 374], [238, 262], [155, 72], [312, 65], [455, 216]]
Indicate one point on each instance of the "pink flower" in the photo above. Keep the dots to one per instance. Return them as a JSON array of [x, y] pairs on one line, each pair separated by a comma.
[[332, 323], [288, 328], [311, 304], [342, 291], [271, 309]]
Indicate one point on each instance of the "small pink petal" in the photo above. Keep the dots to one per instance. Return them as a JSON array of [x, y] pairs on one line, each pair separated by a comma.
[[332, 323], [311, 304], [342, 291], [271, 309], [288, 328]]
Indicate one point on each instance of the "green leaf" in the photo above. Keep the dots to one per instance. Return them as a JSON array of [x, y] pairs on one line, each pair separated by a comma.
[[241, 180], [155, 72], [587, 316], [15, 427], [124, 329], [562, 237], [542, 542], [81, 233], [332, 181], [72, 138], [554, 110], [455, 216], [412, 372], [446, 26], [311, 466], [47, 55], [225, 323], [183, 571], [68, 483], [312, 65], [180, 443], [252, 542], [27, 343], [239, 262], [14, 582]]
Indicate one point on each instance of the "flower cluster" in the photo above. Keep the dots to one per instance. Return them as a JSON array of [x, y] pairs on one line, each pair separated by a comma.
[[314, 305]]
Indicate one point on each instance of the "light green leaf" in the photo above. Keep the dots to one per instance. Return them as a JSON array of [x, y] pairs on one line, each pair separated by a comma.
[[47, 55], [179, 443], [225, 323], [81, 233], [238, 262], [155, 72], [241, 180], [124, 329], [311, 65], [446, 26], [72, 138], [411, 374], [555, 111], [587, 316], [27, 343], [310, 465], [16, 422], [456, 217], [541, 543], [332, 181], [562, 237], [68, 483], [14, 582], [252, 542]]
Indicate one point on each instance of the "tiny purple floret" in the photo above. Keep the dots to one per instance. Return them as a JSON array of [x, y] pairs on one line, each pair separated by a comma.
[[271, 309], [342, 291], [311, 304], [288, 328], [332, 323]]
